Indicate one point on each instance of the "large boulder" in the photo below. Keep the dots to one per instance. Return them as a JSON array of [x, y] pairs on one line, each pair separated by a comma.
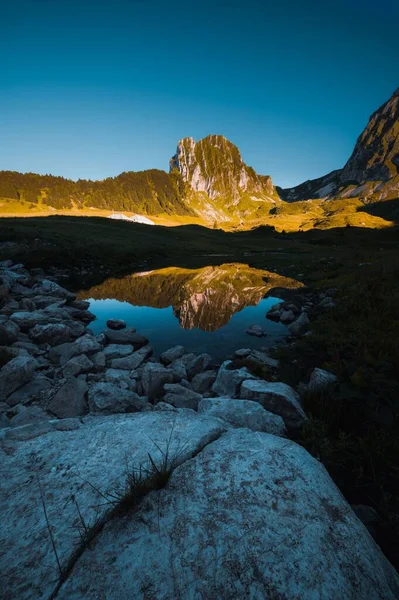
[[70, 467], [202, 382], [28, 319], [126, 336], [198, 365], [116, 324], [52, 333], [243, 413], [229, 380], [69, 401], [133, 361], [30, 391], [299, 326], [251, 515], [107, 398], [278, 398], [117, 351], [172, 354], [46, 287], [77, 365], [153, 378], [15, 373], [320, 380], [181, 397], [9, 332]]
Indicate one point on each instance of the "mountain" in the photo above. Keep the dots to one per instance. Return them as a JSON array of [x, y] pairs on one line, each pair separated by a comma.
[[206, 298], [222, 187], [372, 171]]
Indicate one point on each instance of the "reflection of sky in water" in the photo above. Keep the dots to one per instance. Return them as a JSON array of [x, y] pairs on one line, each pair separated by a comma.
[[164, 331]]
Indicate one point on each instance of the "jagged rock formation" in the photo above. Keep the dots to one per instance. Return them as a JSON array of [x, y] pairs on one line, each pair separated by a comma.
[[372, 171], [206, 298], [223, 187]]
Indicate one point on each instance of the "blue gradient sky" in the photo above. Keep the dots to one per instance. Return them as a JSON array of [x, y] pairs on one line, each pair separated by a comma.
[[90, 89]]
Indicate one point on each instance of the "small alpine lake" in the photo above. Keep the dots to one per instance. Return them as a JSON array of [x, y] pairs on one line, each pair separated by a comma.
[[205, 310]]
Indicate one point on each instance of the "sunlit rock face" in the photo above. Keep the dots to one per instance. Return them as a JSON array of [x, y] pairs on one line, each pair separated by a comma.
[[222, 185], [206, 298]]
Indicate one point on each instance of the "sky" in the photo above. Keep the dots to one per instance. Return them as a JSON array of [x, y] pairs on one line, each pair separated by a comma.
[[89, 89]]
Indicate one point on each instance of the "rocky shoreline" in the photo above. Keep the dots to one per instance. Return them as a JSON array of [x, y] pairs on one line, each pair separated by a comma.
[[64, 390]]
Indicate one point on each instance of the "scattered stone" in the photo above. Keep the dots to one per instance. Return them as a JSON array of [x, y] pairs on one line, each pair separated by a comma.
[[53, 334], [9, 332], [202, 382], [178, 369], [127, 336], [255, 330], [99, 361], [77, 365], [243, 413], [79, 304], [87, 344], [116, 324], [133, 361], [287, 316], [299, 326], [30, 391], [107, 398], [169, 356], [117, 351], [69, 401], [262, 359], [50, 288], [320, 380], [154, 377], [242, 352], [198, 365], [15, 373], [181, 397], [228, 381], [26, 320], [121, 378], [278, 398]]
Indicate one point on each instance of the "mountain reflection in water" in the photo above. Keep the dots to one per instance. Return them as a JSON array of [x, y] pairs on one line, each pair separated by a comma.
[[199, 308]]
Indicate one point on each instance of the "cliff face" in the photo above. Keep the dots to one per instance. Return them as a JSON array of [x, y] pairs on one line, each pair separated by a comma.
[[372, 170], [222, 185]]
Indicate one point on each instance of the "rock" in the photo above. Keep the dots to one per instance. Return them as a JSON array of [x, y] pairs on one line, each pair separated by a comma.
[[243, 413], [79, 304], [202, 382], [69, 401], [127, 336], [26, 320], [99, 361], [255, 330], [242, 352], [287, 316], [30, 347], [77, 328], [133, 361], [116, 324], [50, 288], [169, 356], [28, 415], [164, 406], [198, 365], [299, 326], [9, 332], [181, 397], [99, 453], [76, 365], [368, 516], [4, 421], [107, 398], [178, 369], [86, 344], [30, 391], [15, 373], [278, 398], [251, 515], [28, 432], [121, 378], [320, 380], [228, 381], [117, 351], [154, 376], [262, 359], [327, 302], [53, 334], [45, 301]]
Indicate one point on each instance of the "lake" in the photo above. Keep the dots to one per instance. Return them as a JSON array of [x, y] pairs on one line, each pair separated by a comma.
[[206, 310]]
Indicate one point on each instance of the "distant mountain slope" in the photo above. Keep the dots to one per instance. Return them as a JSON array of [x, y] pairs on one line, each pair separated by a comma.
[[222, 186], [371, 172]]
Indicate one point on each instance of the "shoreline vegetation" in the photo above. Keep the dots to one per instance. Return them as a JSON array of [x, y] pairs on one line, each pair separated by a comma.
[[353, 424]]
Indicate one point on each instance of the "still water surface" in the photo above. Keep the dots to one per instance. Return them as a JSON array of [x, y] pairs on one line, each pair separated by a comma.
[[205, 310]]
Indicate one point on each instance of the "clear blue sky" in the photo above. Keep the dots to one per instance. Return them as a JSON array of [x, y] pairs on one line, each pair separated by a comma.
[[90, 88]]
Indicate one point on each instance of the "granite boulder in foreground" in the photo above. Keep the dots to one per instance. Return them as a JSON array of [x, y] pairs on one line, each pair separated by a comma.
[[244, 515]]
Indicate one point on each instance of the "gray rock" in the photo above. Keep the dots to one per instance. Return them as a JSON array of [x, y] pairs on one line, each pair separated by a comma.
[[178, 369], [77, 365], [99, 361], [50, 288], [28, 415], [87, 344], [9, 332], [255, 330], [4, 421], [321, 380], [243, 413], [134, 360], [198, 365], [181, 397], [278, 398], [169, 356], [287, 316], [30, 391], [107, 398], [77, 328], [242, 352], [228, 381], [79, 304], [117, 351], [202, 382], [15, 373], [121, 378], [53, 334], [116, 324], [30, 347], [127, 336], [44, 301], [299, 326], [161, 406], [262, 359], [69, 401], [253, 515], [26, 320], [154, 376]]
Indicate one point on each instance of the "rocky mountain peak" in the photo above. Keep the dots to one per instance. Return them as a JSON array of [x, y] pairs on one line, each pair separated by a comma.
[[214, 166]]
